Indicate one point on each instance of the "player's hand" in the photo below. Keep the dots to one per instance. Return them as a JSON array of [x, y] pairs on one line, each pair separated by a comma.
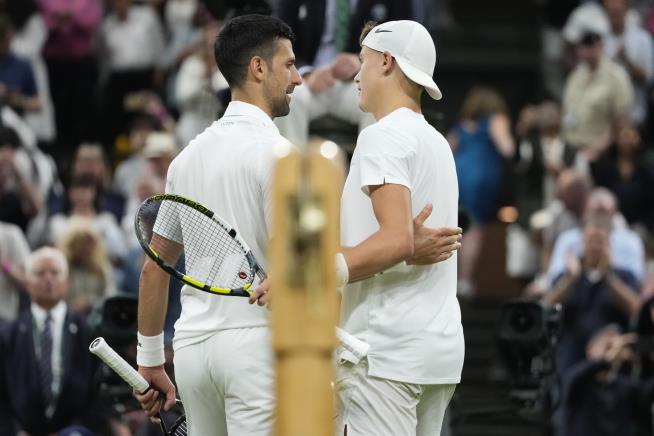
[[261, 295], [162, 392], [346, 66], [320, 80], [432, 245]]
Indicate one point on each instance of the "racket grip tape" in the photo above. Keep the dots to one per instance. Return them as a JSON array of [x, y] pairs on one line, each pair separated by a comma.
[[100, 348]]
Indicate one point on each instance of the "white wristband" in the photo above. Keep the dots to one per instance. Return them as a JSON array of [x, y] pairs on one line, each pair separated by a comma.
[[342, 272], [150, 350]]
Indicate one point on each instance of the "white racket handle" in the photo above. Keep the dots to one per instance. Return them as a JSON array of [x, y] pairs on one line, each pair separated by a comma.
[[100, 348]]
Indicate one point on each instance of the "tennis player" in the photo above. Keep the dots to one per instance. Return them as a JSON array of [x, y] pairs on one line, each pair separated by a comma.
[[409, 315], [222, 350]]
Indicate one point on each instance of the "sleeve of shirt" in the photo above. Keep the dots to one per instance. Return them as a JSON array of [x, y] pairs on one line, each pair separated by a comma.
[[265, 176], [171, 227], [383, 158]]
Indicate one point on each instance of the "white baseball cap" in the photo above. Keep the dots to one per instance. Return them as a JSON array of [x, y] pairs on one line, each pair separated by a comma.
[[412, 47]]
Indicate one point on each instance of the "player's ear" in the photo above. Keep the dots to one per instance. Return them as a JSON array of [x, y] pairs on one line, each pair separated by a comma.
[[258, 67], [387, 62]]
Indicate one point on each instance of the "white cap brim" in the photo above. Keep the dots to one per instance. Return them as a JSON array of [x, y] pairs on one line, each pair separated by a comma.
[[417, 76]]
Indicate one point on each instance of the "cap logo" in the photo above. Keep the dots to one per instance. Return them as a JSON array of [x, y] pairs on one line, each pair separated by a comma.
[[382, 31]]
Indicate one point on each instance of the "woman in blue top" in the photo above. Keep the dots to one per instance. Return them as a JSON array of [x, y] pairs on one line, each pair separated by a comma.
[[481, 140]]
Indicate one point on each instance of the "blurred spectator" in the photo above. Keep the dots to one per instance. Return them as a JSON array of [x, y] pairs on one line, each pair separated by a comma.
[[623, 171], [630, 46], [29, 39], [133, 40], [70, 55], [593, 292], [47, 375], [128, 171], [600, 399], [589, 15], [326, 49], [84, 202], [19, 199], [13, 254], [481, 140], [90, 159], [198, 81], [597, 93], [17, 82], [183, 24], [89, 270], [627, 250], [541, 155]]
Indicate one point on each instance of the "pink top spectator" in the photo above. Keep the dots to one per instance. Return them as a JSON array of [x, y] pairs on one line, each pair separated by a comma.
[[72, 25]]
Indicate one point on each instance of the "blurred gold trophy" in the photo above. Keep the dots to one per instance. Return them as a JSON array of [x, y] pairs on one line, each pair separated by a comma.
[[306, 198]]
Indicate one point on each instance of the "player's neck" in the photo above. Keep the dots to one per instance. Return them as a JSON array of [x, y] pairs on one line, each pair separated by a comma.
[[255, 99], [390, 103]]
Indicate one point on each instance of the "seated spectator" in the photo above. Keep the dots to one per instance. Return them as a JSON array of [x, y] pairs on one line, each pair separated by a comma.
[[541, 156], [598, 92], [90, 275], [629, 45], [566, 212], [28, 42], [133, 40], [327, 48], [198, 82], [84, 202], [13, 254], [623, 171], [627, 250], [47, 375], [600, 399], [130, 169], [17, 82], [594, 292], [91, 159], [19, 199]]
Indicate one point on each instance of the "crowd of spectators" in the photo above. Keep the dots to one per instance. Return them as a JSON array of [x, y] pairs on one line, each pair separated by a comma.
[[97, 97]]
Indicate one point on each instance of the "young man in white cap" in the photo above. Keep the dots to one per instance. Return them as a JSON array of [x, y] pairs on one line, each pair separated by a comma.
[[409, 315]]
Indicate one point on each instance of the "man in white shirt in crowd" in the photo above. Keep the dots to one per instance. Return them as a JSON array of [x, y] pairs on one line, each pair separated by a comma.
[[409, 315]]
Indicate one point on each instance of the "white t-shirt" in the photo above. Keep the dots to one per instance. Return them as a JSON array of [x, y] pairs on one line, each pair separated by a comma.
[[229, 169], [409, 314]]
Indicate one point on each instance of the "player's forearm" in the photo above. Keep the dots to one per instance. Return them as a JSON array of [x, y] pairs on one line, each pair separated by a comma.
[[561, 290], [153, 299], [380, 251]]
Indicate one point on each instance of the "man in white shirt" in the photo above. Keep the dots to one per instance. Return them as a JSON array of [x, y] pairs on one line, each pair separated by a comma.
[[223, 358], [409, 315]]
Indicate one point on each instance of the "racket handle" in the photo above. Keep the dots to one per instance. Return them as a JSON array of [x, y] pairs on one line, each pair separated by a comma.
[[100, 348]]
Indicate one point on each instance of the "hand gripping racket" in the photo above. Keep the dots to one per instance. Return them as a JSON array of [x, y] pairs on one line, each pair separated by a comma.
[[215, 257], [108, 355]]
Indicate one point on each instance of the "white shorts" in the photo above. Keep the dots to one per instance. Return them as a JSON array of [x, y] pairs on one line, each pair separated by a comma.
[[372, 406], [227, 383]]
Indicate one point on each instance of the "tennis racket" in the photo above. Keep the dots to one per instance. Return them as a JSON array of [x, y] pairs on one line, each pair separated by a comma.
[[196, 246], [108, 355]]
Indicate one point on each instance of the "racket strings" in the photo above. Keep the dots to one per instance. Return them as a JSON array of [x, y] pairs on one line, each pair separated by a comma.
[[211, 255]]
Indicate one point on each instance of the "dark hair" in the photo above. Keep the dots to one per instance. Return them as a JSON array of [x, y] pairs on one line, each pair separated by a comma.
[[9, 137], [244, 37], [20, 11], [83, 181]]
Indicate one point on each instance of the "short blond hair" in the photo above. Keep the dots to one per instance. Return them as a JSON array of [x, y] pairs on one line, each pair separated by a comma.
[[45, 253]]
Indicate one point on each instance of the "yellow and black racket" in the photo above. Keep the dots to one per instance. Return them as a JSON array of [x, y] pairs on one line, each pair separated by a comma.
[[196, 246]]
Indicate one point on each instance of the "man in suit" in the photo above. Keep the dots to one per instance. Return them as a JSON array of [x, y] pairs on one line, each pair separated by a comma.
[[46, 372], [326, 50]]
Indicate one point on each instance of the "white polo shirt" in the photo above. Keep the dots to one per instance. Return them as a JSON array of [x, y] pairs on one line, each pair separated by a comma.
[[409, 314], [228, 168]]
